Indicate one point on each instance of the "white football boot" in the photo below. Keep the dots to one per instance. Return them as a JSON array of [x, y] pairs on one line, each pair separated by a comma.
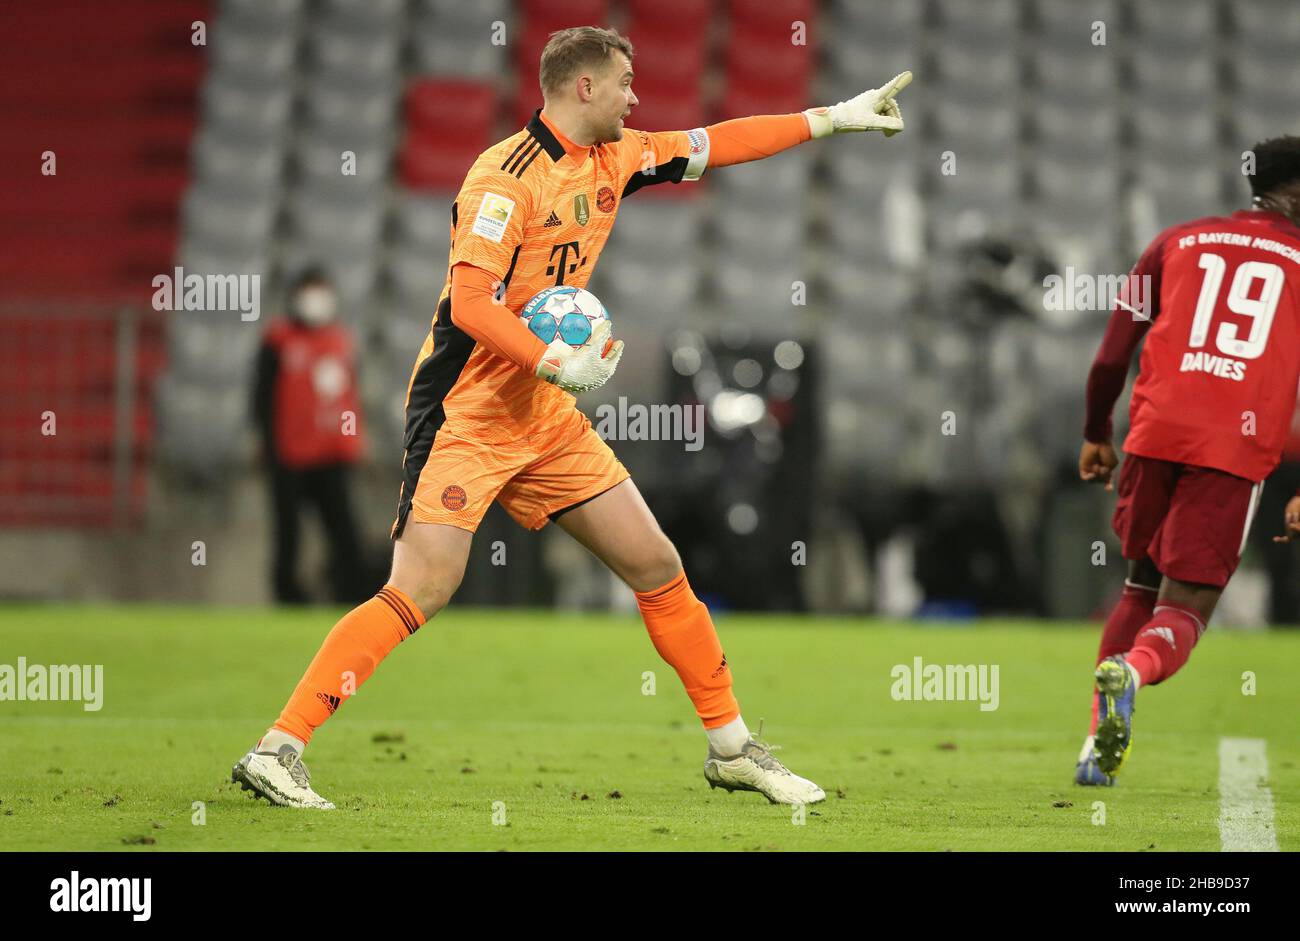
[[755, 769], [281, 778]]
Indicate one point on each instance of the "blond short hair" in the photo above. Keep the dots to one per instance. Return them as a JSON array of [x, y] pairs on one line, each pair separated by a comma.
[[570, 51]]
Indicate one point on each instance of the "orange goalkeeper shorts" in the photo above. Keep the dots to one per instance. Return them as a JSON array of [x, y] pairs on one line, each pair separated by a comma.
[[534, 480]]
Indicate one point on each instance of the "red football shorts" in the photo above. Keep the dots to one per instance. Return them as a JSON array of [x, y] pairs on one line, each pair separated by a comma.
[[1191, 521]]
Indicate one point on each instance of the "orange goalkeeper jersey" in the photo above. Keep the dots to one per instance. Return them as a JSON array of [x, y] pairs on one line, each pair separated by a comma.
[[535, 210]]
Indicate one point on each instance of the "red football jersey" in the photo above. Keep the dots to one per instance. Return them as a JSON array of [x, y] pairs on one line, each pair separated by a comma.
[[1218, 375]]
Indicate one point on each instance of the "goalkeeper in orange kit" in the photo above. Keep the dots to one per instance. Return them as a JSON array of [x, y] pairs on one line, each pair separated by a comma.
[[490, 413]]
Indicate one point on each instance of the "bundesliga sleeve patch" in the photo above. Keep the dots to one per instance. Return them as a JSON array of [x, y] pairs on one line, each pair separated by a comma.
[[698, 160], [493, 216]]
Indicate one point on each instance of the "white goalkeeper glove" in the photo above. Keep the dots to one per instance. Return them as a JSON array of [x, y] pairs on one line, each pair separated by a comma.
[[873, 110], [586, 368]]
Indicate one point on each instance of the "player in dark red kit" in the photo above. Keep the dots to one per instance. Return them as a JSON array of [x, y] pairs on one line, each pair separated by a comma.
[[1218, 301]]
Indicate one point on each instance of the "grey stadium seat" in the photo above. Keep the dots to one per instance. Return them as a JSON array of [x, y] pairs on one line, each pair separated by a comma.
[[1066, 26], [761, 235], [1267, 28], [968, 71], [262, 16], [424, 221], [1076, 130], [1182, 135], [254, 167], [1261, 73], [247, 109], [214, 217], [266, 57], [990, 22], [320, 162], [417, 276], [371, 56], [213, 347], [1192, 80], [1091, 75], [363, 111], [1166, 25], [353, 15]]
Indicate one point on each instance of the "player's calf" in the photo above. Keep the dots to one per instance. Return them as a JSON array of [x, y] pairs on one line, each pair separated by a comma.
[[1163, 646]]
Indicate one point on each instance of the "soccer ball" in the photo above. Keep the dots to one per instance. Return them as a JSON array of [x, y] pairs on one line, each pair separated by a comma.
[[566, 312]]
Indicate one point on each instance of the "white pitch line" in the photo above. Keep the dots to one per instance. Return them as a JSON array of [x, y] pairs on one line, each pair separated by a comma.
[[1245, 801]]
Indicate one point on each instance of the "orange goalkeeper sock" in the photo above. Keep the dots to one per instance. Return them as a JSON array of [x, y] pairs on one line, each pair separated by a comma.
[[682, 632], [352, 650]]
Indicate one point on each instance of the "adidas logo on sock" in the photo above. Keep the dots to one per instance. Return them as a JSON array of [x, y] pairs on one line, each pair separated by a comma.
[[553, 221], [721, 667], [331, 702], [1164, 634]]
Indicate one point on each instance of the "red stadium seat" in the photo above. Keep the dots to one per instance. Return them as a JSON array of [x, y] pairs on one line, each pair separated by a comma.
[[667, 114], [687, 18], [527, 99], [766, 59], [668, 64], [111, 90], [561, 14], [449, 123], [740, 102], [777, 14], [435, 162], [87, 90], [463, 109]]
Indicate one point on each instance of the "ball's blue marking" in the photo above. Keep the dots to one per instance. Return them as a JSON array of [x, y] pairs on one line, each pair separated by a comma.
[[575, 329], [543, 325]]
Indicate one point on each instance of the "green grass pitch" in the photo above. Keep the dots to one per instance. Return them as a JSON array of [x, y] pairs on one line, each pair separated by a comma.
[[539, 720]]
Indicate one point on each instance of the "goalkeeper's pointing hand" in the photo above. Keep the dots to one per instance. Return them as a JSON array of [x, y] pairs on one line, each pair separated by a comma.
[[873, 110], [585, 368]]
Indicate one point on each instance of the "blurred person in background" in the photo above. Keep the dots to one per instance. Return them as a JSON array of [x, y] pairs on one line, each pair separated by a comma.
[[1279, 559], [308, 415]]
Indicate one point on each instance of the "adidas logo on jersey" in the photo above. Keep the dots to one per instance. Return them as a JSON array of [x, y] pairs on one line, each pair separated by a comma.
[[553, 221]]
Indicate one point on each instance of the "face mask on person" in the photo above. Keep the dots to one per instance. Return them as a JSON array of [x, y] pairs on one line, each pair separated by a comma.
[[315, 305]]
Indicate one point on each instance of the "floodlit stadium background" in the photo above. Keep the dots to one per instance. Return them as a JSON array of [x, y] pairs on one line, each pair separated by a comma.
[[209, 136]]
